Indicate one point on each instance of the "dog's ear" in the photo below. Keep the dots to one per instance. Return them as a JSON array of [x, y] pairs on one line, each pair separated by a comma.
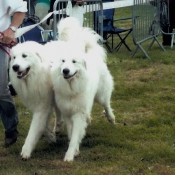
[[40, 56]]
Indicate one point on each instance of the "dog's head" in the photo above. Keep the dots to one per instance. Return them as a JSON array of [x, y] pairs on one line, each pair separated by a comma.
[[25, 57], [72, 66], [69, 60]]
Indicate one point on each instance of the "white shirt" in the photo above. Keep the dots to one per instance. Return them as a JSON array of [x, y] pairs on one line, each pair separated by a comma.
[[7, 9]]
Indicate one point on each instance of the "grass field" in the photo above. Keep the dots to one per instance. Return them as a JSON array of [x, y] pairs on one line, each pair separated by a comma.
[[142, 142]]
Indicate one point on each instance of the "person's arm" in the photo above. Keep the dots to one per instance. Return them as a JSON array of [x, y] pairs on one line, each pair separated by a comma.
[[9, 34], [17, 19]]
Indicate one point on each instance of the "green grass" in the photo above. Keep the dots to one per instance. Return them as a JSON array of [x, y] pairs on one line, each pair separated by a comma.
[[142, 142]]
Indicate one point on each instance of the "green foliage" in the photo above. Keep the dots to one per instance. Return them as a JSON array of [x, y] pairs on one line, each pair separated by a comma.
[[141, 143]]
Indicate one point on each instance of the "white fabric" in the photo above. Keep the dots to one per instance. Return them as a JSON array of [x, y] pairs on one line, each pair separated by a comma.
[[118, 4], [69, 8], [7, 9], [75, 11], [78, 12]]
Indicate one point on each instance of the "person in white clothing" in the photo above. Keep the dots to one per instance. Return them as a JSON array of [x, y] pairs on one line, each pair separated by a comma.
[[11, 16]]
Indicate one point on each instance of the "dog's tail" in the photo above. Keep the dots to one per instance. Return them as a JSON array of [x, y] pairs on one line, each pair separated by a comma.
[[91, 39], [70, 29]]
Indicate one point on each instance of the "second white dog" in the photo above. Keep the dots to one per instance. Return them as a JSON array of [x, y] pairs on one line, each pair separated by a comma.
[[80, 77]]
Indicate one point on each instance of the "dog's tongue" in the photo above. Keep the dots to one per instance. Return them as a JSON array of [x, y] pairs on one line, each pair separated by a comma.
[[21, 74]]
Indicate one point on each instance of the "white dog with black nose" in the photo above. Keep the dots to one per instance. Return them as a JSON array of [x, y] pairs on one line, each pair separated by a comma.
[[80, 76], [30, 77]]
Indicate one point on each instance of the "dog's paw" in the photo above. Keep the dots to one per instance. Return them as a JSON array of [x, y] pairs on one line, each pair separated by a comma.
[[24, 159], [112, 121], [26, 152], [24, 155], [68, 157], [110, 116]]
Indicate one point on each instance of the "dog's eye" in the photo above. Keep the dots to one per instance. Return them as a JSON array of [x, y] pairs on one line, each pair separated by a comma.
[[73, 61], [63, 61], [14, 57], [24, 55]]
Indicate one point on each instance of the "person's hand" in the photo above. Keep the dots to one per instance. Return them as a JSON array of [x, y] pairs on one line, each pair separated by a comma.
[[79, 2], [8, 36]]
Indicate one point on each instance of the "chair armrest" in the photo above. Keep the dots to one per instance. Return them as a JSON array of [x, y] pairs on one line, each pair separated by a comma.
[[107, 19]]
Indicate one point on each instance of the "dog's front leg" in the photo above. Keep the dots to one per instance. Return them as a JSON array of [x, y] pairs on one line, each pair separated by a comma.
[[37, 128], [79, 125]]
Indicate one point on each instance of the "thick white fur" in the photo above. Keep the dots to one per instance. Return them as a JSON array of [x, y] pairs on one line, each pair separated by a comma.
[[71, 30], [80, 77], [35, 90]]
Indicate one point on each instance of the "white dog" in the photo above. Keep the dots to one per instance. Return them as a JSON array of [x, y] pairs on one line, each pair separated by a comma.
[[30, 77], [80, 77]]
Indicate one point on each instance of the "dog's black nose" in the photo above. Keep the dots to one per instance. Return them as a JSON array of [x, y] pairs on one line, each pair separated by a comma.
[[66, 71], [15, 68]]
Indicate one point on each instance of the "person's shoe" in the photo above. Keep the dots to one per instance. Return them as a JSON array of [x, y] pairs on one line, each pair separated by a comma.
[[10, 138]]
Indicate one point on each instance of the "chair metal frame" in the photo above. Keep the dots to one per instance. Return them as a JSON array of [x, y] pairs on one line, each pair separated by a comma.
[[146, 25]]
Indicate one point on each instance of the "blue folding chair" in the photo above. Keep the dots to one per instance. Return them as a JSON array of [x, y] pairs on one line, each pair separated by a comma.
[[37, 34], [110, 30]]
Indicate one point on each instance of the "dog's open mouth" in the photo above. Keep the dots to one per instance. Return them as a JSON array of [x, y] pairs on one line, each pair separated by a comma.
[[21, 74], [69, 76]]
